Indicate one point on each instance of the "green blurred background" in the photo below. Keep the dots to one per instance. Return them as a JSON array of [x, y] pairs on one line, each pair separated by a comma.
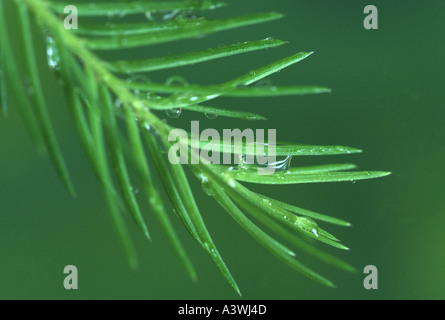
[[387, 99]]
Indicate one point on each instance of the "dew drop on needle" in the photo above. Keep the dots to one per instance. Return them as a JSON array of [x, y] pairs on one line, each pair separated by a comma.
[[211, 116], [174, 113]]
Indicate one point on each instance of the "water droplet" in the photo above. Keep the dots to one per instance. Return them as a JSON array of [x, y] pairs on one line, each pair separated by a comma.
[[211, 116], [242, 161], [169, 15], [52, 54], [188, 15], [206, 186], [314, 231], [176, 81], [173, 113], [134, 190], [206, 246], [138, 79], [160, 16], [212, 96], [307, 224], [264, 83], [282, 165], [149, 16]]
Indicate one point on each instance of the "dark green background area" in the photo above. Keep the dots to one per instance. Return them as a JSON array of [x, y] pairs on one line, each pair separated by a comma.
[[387, 99]]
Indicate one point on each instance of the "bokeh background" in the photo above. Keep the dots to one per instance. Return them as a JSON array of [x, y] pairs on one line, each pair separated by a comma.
[[388, 99]]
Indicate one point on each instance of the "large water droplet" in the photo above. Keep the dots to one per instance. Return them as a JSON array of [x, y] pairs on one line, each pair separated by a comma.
[[173, 113], [282, 165], [248, 162]]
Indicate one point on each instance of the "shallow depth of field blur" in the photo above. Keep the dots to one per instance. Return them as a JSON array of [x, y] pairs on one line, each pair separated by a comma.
[[387, 99]]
